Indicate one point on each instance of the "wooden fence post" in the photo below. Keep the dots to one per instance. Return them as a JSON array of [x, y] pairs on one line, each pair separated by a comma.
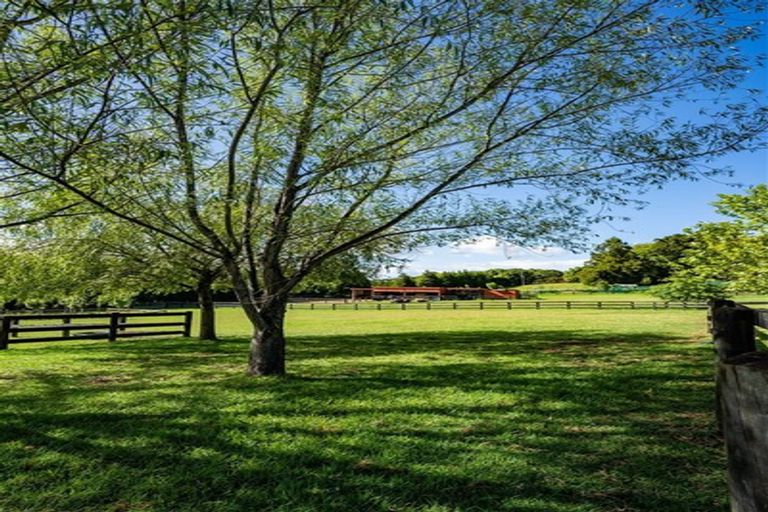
[[65, 332], [187, 324], [733, 334], [733, 329], [743, 386], [742, 403], [14, 323], [114, 320], [5, 326]]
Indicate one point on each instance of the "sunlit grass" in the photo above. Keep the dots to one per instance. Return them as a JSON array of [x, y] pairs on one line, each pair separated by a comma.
[[432, 411]]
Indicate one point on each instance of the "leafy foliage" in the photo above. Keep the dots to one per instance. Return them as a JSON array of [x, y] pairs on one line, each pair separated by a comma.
[[615, 261], [689, 287], [735, 251], [500, 278]]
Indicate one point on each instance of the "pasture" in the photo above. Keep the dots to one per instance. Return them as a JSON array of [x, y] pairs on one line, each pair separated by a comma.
[[430, 411]]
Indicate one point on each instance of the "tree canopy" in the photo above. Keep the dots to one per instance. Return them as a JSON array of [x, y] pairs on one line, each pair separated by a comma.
[[733, 252], [498, 277], [617, 262], [273, 136]]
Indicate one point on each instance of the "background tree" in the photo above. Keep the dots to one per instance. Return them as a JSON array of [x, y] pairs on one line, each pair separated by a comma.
[[94, 261], [336, 276], [613, 261], [661, 257], [501, 278], [734, 251], [428, 278], [274, 136]]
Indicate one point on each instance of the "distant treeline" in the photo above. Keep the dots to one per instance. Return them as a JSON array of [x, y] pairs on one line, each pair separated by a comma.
[[613, 261], [493, 278]]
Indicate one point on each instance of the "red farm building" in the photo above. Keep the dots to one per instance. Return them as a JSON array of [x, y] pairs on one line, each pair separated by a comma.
[[431, 292]]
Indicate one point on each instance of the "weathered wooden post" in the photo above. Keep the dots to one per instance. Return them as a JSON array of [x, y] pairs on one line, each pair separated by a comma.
[[187, 324], [114, 320], [744, 407], [733, 329], [5, 327], [742, 392]]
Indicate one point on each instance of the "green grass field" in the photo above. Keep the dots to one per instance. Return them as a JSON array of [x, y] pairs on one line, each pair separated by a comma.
[[533, 411]]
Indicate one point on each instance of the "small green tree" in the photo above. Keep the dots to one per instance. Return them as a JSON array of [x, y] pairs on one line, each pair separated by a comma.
[[689, 287], [735, 251]]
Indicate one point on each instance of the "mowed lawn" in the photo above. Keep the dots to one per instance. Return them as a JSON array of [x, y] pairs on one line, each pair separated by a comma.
[[432, 411]]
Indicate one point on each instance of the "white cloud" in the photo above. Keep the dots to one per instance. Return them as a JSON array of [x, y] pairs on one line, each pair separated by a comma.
[[485, 253], [511, 251], [483, 245], [417, 266]]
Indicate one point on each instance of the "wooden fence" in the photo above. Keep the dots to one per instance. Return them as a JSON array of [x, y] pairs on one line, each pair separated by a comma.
[[516, 304], [742, 401], [92, 326]]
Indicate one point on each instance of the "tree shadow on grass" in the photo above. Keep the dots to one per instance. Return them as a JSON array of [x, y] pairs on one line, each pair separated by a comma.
[[488, 420]]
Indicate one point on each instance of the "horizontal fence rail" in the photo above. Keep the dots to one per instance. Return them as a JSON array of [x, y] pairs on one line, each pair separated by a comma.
[[25, 328], [518, 304]]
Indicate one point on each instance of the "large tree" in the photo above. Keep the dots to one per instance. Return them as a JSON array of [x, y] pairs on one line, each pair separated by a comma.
[[272, 135]]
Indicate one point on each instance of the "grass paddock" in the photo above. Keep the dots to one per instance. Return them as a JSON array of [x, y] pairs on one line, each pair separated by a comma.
[[430, 411]]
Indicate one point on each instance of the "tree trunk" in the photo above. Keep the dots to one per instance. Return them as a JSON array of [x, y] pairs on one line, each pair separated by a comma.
[[207, 309], [267, 353]]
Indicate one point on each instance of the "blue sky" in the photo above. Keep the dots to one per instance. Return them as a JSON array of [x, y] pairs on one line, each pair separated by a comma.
[[676, 206]]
